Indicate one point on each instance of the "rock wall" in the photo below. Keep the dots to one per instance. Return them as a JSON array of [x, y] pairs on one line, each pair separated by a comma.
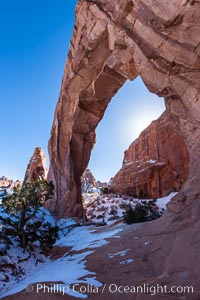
[[155, 164], [114, 41], [36, 168]]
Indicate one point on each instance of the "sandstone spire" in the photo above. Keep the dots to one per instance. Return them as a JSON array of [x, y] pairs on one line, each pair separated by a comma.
[[87, 181], [36, 167]]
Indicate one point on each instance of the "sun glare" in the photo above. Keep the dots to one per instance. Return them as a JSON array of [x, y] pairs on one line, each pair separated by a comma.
[[141, 122]]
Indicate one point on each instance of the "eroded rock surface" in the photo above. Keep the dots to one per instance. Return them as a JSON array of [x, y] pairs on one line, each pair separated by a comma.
[[114, 41], [36, 168], [155, 164]]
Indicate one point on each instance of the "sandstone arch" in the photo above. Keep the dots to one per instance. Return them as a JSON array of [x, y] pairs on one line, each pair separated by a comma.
[[113, 42]]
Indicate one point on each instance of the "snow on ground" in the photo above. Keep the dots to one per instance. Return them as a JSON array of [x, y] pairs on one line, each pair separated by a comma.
[[80, 241], [152, 161], [16, 264], [120, 253], [147, 243], [83, 237], [162, 202], [109, 208], [21, 264], [69, 268], [88, 198], [126, 262]]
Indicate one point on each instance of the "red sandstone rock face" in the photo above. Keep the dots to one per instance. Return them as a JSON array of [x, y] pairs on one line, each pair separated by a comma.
[[37, 166], [155, 164], [114, 41], [87, 181]]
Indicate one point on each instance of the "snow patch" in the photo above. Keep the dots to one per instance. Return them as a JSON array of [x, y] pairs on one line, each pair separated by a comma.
[[70, 267], [126, 262], [151, 161], [120, 253], [147, 243]]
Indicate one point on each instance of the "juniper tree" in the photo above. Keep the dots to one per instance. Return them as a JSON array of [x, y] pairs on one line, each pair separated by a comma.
[[20, 209], [142, 212]]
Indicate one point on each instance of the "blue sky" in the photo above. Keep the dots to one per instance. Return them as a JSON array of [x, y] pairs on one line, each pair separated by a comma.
[[130, 111], [35, 38]]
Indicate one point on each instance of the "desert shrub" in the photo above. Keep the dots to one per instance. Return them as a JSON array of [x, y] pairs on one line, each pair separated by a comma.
[[105, 191], [113, 211], [144, 211], [20, 216], [45, 234], [5, 241]]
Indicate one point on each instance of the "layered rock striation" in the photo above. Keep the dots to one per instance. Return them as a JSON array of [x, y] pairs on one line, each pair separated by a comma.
[[112, 42], [36, 168], [155, 164]]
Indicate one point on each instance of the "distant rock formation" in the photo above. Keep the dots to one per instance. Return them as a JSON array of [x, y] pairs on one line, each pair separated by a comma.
[[36, 167], [155, 164], [8, 183], [88, 181], [7, 186], [101, 185]]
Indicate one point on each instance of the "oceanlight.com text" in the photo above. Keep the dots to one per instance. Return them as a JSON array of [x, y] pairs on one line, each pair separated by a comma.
[[55, 288]]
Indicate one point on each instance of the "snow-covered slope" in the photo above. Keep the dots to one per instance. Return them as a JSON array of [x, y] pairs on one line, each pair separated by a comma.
[[67, 269], [110, 208], [21, 270]]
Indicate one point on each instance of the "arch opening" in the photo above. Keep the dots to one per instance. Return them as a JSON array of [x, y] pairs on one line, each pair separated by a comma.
[[130, 112], [156, 161]]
